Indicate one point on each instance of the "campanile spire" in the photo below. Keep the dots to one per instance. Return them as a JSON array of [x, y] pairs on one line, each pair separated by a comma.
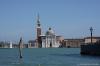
[[38, 30], [38, 26], [38, 21]]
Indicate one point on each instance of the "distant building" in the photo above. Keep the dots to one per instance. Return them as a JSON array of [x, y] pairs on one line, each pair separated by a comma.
[[94, 40], [11, 45], [15, 46], [32, 44], [50, 40], [74, 43], [25, 45], [6, 44]]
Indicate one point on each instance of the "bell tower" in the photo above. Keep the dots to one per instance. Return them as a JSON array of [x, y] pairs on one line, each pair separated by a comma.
[[38, 30], [38, 26]]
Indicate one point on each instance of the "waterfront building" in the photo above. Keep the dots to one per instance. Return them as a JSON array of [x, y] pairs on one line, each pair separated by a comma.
[[1, 44], [74, 43], [10, 44], [32, 44], [25, 45], [50, 40], [6, 44], [94, 40]]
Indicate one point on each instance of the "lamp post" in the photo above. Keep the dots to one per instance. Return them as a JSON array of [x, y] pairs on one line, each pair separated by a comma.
[[91, 30]]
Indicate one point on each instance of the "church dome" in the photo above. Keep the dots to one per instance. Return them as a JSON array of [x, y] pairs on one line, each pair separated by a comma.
[[50, 32]]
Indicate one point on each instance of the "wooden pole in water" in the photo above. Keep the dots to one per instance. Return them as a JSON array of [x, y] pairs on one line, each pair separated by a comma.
[[20, 48]]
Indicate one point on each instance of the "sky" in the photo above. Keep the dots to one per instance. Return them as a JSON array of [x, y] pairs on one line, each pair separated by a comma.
[[68, 18]]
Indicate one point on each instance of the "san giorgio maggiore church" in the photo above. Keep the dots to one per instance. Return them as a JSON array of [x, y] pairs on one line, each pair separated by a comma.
[[47, 40]]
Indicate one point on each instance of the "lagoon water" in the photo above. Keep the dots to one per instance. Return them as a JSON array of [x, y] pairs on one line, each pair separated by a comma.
[[47, 57]]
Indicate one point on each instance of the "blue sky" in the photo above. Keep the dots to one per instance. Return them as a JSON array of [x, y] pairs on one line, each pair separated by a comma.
[[68, 18]]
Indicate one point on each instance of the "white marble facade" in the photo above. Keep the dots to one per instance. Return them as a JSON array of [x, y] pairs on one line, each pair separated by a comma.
[[49, 40]]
